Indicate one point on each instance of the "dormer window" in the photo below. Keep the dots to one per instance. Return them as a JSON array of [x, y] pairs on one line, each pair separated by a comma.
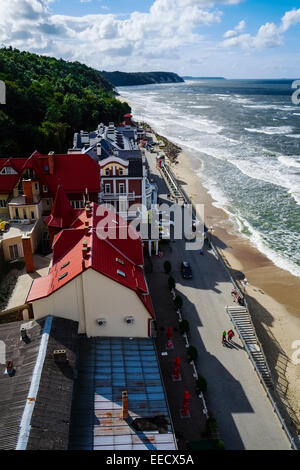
[[120, 172], [8, 170], [121, 273], [107, 172], [45, 189], [118, 260]]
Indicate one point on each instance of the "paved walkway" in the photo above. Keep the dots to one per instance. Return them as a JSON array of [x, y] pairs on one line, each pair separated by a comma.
[[235, 396]]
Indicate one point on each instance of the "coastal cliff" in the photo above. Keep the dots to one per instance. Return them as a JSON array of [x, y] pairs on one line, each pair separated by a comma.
[[140, 78]]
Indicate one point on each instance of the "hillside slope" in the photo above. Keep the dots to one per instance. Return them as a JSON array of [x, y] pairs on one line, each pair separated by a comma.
[[48, 99], [141, 78]]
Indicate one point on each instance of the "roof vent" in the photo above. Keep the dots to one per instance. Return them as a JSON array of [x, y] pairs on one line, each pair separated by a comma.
[[24, 336], [101, 321], [129, 320], [60, 356]]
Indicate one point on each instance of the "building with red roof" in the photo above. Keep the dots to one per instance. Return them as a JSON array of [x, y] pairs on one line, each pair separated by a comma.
[[28, 188], [97, 277]]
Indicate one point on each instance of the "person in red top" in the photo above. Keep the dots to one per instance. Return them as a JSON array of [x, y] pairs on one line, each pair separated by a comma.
[[230, 335]]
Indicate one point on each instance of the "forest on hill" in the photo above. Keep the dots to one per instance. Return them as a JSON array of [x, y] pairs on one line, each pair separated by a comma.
[[47, 100], [141, 78]]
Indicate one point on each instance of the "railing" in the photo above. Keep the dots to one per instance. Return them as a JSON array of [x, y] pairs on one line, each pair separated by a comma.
[[116, 196], [171, 182], [20, 221]]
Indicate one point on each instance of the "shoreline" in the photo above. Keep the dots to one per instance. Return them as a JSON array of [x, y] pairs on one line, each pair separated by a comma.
[[272, 293]]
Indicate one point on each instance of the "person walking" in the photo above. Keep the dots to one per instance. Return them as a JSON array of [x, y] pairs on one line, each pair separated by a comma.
[[224, 337], [230, 335]]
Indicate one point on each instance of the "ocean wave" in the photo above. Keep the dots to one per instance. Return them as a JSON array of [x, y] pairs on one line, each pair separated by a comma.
[[281, 130]]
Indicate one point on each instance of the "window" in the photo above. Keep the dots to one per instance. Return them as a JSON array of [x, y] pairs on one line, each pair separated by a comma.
[[121, 273], [48, 202], [46, 168], [107, 172], [118, 260], [65, 265], [107, 188], [2, 203], [121, 188], [120, 171], [32, 215], [13, 251], [77, 204], [8, 170], [62, 276], [45, 189], [36, 186]]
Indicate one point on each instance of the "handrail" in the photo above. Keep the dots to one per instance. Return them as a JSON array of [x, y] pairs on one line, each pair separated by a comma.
[[274, 404]]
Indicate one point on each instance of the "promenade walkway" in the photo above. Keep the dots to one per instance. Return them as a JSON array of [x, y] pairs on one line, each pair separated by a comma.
[[235, 396]]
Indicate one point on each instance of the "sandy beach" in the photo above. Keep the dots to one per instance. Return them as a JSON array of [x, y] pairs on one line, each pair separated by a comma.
[[272, 293]]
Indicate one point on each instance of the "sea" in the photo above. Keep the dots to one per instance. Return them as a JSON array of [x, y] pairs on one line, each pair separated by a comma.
[[244, 136]]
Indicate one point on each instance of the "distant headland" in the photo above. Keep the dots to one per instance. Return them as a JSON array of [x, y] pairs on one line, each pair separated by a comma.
[[203, 78], [140, 78]]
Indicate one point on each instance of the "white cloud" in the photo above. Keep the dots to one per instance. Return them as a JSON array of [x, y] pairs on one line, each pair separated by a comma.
[[233, 32], [103, 38], [268, 35]]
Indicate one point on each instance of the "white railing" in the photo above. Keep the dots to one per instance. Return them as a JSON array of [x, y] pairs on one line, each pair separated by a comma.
[[115, 196]]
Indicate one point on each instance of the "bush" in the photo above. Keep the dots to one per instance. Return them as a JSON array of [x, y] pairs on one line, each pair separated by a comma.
[[201, 384], [184, 327], [178, 302], [167, 267], [211, 425], [193, 353], [220, 445], [171, 283]]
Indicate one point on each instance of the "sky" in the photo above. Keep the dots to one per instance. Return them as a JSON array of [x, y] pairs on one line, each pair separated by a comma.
[[230, 38]]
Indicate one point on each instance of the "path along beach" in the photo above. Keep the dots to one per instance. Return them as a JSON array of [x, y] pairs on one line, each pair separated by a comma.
[[273, 294]]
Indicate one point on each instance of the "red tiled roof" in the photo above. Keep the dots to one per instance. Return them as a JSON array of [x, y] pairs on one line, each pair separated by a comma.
[[120, 260], [8, 182], [75, 172], [62, 214]]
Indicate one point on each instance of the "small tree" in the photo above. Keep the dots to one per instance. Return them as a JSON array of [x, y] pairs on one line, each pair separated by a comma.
[[171, 283], [184, 327], [201, 384], [167, 267], [193, 353], [178, 302]]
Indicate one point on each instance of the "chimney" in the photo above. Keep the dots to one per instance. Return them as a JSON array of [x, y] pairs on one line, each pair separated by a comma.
[[84, 248], [124, 405], [27, 249], [27, 190], [51, 162]]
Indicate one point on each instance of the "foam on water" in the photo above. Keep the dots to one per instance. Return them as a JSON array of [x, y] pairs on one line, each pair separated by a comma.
[[248, 166], [282, 130]]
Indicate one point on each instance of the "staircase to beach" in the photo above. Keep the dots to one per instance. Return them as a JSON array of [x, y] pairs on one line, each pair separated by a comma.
[[244, 326]]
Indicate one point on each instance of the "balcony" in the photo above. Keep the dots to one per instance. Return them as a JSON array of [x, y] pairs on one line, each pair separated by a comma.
[[117, 196]]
